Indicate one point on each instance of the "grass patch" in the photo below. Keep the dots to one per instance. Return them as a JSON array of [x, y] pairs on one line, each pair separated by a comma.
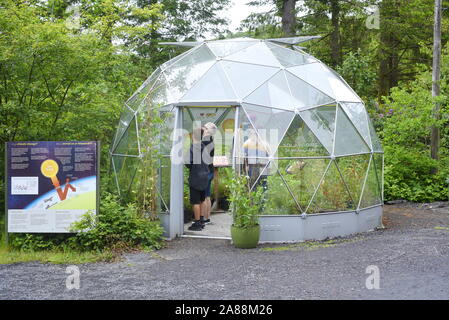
[[441, 228], [8, 255], [310, 245]]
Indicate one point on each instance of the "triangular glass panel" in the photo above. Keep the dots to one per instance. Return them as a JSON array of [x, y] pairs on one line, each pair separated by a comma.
[[324, 79], [302, 177], [158, 96], [287, 57], [304, 94], [246, 77], [244, 132], [359, 118], [163, 187], [128, 143], [222, 49], [277, 198], [184, 73], [213, 86], [321, 121], [378, 162], [371, 192], [257, 169], [152, 176], [374, 139], [353, 169], [125, 171], [299, 141], [168, 63], [347, 138], [156, 125], [125, 120], [271, 124], [256, 54], [140, 94], [273, 93], [332, 195]]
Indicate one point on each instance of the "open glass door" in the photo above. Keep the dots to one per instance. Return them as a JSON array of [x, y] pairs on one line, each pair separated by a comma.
[[224, 119]]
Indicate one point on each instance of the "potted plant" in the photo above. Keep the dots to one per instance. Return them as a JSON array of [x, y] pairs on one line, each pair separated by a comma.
[[245, 205]]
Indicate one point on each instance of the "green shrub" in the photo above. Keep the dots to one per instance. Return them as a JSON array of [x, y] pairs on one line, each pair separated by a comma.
[[406, 127], [116, 227]]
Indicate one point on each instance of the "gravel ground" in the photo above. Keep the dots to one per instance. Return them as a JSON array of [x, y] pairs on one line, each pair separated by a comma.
[[412, 255]]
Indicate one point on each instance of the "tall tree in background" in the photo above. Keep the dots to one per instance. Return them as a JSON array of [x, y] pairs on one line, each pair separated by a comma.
[[183, 20], [335, 35], [435, 138], [288, 8]]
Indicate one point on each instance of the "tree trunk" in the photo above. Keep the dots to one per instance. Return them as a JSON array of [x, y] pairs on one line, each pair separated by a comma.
[[335, 35], [388, 56], [289, 17], [435, 138]]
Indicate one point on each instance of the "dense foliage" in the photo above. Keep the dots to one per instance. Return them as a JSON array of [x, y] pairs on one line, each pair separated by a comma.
[[116, 227]]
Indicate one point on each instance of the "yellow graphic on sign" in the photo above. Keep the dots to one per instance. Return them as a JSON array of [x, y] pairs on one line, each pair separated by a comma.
[[49, 169]]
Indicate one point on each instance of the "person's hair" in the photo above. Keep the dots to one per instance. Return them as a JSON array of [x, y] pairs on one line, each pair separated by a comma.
[[211, 127]]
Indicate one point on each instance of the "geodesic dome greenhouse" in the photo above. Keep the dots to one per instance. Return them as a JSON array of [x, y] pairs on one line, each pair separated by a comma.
[[304, 134]]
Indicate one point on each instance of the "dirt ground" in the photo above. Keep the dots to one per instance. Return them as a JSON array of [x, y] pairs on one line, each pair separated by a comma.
[[411, 254]]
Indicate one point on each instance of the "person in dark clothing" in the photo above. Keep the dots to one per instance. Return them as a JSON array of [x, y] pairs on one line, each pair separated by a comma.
[[209, 131], [198, 178]]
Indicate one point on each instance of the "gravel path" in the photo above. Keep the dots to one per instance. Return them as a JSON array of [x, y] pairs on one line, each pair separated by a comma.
[[412, 255]]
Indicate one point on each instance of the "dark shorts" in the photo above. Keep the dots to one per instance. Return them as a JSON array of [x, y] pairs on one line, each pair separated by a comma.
[[197, 196], [209, 184]]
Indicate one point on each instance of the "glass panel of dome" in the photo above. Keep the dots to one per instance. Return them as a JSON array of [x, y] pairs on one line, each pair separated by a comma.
[[140, 94], [222, 49], [304, 94], [164, 172], [271, 124], [125, 170], [257, 169], [144, 187], [277, 199], [347, 138], [359, 118], [273, 93], [325, 80], [287, 57], [321, 121], [128, 143], [256, 54], [158, 96], [374, 139], [156, 125], [184, 73], [246, 77], [125, 120], [245, 130], [378, 162], [302, 177], [332, 194], [213, 86], [299, 141], [371, 192], [353, 170]]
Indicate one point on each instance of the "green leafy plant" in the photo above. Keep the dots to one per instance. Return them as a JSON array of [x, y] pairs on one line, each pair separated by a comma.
[[116, 227], [246, 204]]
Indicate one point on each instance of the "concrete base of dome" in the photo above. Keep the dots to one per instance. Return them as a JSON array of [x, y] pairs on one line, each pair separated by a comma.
[[319, 226]]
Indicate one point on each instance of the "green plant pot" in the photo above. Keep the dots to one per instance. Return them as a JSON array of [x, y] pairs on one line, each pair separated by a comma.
[[245, 238]]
